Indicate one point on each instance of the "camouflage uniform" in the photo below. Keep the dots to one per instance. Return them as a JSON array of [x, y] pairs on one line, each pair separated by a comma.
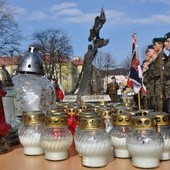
[[158, 73], [144, 101], [145, 81], [151, 86], [167, 83], [112, 89]]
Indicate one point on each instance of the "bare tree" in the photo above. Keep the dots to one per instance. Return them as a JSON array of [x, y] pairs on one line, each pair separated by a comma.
[[126, 63], [9, 32], [104, 61], [56, 48]]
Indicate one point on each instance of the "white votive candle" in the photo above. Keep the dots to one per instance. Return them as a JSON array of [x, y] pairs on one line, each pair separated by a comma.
[[120, 147], [31, 143]]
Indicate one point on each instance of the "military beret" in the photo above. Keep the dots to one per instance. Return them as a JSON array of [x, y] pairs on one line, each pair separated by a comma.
[[150, 47], [159, 40], [167, 35]]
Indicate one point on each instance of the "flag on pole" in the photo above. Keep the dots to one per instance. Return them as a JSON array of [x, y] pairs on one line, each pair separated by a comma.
[[135, 78]]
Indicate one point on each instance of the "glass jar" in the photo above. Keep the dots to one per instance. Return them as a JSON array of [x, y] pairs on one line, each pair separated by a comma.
[[107, 114], [163, 122], [93, 143], [34, 91], [30, 132], [144, 143], [5, 128], [121, 128], [7, 100], [56, 138], [85, 114]]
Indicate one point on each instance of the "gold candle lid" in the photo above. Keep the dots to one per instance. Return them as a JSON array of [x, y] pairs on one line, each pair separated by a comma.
[[120, 109], [33, 117], [64, 107], [57, 120], [122, 119], [71, 110], [163, 118], [143, 122], [92, 123], [5, 77], [80, 109], [88, 114], [94, 108], [106, 113], [141, 112]]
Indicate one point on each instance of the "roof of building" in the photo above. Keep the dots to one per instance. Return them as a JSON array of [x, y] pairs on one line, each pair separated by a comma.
[[78, 61], [10, 60]]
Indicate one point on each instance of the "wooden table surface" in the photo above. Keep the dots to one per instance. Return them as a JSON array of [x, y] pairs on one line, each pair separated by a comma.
[[16, 160]]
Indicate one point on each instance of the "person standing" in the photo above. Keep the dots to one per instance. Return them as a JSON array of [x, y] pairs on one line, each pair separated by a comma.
[[145, 98], [158, 44], [112, 89], [150, 79], [167, 72]]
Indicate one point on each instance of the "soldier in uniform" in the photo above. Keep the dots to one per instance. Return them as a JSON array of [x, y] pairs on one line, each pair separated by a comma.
[[145, 69], [150, 79], [167, 72], [158, 44], [112, 89]]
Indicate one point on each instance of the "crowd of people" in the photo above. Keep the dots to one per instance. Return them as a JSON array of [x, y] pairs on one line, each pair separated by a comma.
[[156, 75]]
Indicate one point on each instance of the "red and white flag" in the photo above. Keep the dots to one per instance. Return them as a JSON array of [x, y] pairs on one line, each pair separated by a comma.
[[135, 78]]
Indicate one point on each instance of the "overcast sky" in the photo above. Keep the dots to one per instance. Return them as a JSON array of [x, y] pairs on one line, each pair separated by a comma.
[[150, 18]]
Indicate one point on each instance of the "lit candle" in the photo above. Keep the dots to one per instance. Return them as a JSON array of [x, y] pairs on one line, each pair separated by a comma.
[[56, 138], [144, 143], [119, 132], [163, 121], [30, 133], [93, 143]]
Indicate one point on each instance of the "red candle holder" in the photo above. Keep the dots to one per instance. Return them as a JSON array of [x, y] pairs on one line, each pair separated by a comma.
[[72, 122], [4, 127]]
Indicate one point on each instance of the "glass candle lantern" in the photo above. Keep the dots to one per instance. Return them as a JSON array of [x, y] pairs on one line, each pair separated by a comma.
[[121, 128], [30, 132], [93, 143], [7, 100], [5, 128], [144, 143], [107, 114], [56, 138], [33, 90], [84, 114], [163, 122]]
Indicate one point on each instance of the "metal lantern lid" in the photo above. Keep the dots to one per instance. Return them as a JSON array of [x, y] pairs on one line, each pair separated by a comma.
[[163, 118], [144, 122], [31, 63], [122, 119], [33, 117], [92, 123], [5, 78], [56, 120]]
